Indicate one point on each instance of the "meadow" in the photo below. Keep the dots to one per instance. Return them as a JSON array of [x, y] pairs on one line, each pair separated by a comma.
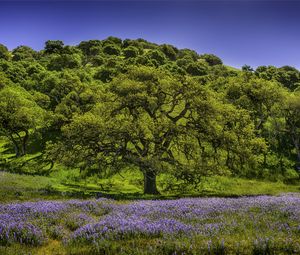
[[128, 185], [245, 225], [48, 215]]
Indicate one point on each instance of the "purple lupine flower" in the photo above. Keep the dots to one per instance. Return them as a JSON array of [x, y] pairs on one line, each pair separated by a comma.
[[94, 221]]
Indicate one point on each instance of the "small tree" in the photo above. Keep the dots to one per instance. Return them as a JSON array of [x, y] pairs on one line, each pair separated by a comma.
[[170, 51], [130, 52], [54, 46], [111, 49], [4, 53], [211, 59], [18, 115], [23, 53], [196, 69]]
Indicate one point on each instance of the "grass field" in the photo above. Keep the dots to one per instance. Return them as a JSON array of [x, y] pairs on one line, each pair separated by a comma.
[[64, 214], [128, 185]]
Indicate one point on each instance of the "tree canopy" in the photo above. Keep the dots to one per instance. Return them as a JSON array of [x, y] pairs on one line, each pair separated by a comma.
[[105, 105]]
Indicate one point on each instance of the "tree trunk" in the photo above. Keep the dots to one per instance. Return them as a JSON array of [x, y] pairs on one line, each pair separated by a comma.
[[24, 143], [16, 146], [150, 183]]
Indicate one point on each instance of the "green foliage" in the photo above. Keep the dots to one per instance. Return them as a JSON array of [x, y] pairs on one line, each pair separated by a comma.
[[16, 72], [90, 47], [53, 46], [105, 74], [188, 53], [105, 105], [113, 40], [184, 62], [23, 53], [145, 44], [97, 61], [293, 124], [156, 57], [18, 114], [288, 76], [247, 68], [170, 51], [111, 49], [196, 69], [130, 52], [63, 61], [4, 53], [4, 81], [211, 59]]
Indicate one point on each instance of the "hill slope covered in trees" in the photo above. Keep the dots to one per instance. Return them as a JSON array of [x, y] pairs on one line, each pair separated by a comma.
[[106, 105]]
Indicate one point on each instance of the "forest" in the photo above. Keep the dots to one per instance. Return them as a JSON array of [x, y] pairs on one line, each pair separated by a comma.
[[103, 146], [105, 105]]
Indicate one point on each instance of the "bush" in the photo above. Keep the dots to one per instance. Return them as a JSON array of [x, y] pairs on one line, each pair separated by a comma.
[[130, 52], [111, 49], [156, 55], [211, 59], [105, 74], [196, 69]]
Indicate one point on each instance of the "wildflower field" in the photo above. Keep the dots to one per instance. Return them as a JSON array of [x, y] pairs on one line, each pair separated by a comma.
[[245, 225]]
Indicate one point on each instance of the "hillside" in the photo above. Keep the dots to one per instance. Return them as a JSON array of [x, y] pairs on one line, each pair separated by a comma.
[[108, 106]]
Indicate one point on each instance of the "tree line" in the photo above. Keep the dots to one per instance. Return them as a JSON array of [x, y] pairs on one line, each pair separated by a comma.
[[104, 105]]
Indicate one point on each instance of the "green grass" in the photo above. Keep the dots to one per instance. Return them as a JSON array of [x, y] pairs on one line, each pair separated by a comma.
[[128, 185], [16, 187], [225, 186], [231, 68], [5, 150]]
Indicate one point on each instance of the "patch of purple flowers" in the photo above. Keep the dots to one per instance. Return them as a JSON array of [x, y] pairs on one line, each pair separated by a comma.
[[121, 226], [94, 221], [14, 230]]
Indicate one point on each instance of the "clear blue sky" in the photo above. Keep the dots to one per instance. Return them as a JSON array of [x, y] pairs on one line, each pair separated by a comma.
[[240, 32]]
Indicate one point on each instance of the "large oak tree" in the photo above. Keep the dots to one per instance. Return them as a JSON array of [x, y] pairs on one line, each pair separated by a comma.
[[149, 119]]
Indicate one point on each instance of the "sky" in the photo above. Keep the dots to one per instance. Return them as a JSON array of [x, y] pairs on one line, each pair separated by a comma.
[[239, 32]]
